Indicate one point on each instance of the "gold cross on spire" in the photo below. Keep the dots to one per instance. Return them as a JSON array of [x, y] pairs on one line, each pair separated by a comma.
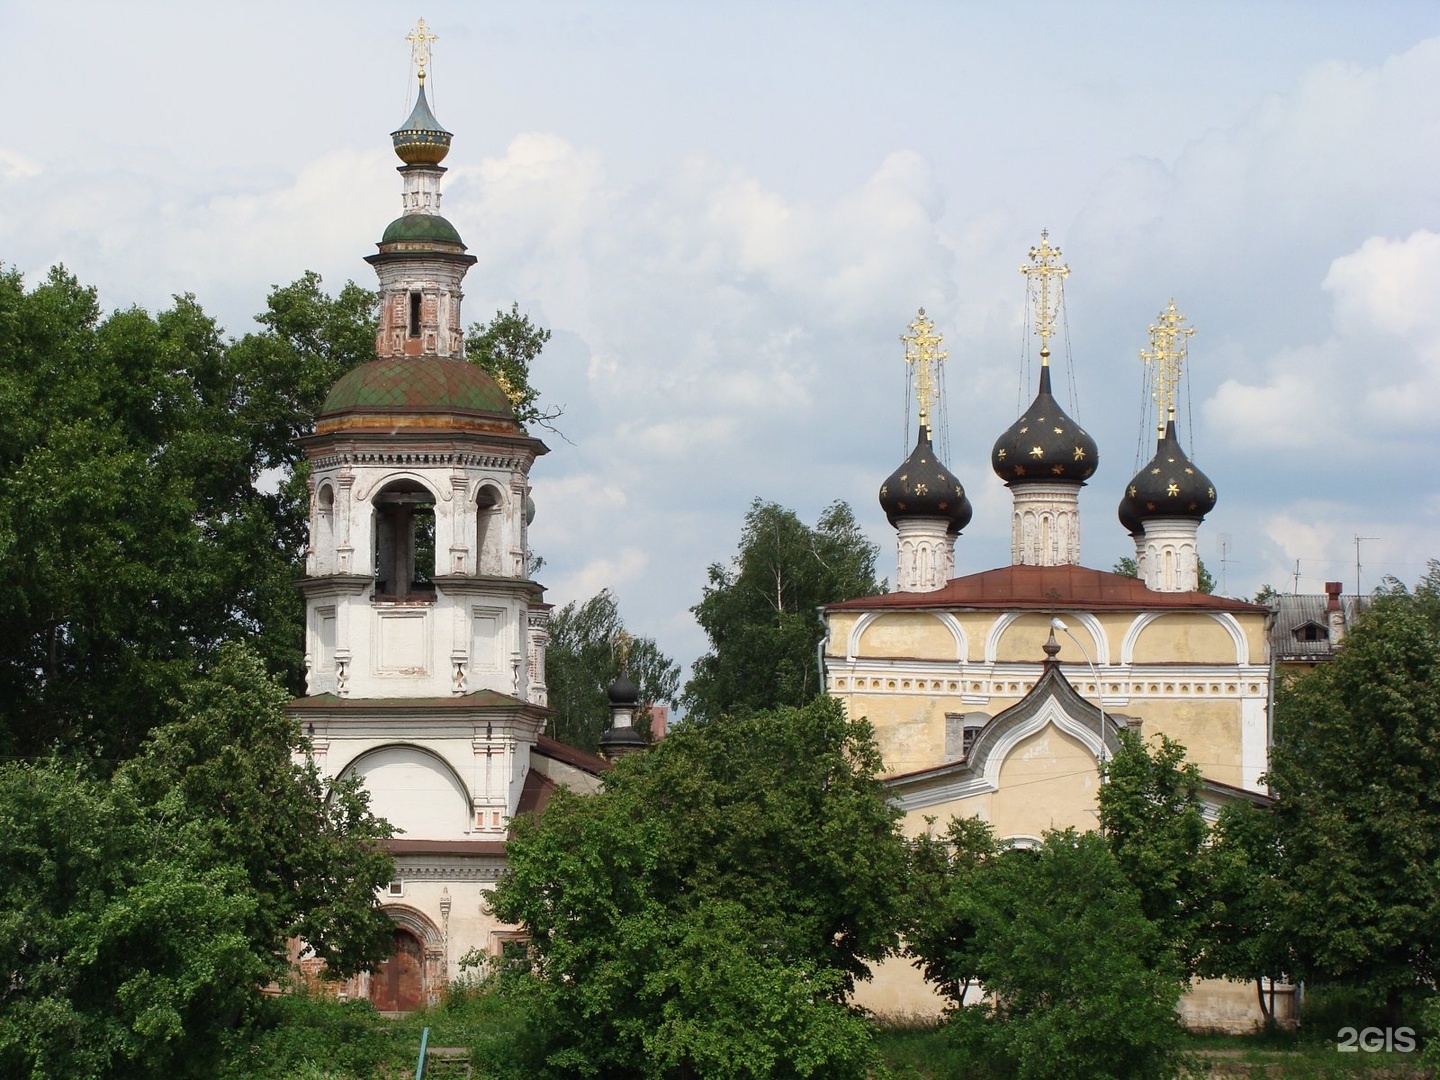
[[1044, 265], [1168, 338], [420, 39], [923, 353]]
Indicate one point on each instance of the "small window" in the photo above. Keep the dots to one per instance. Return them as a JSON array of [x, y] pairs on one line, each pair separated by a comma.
[[397, 888], [961, 731], [414, 314], [1312, 631]]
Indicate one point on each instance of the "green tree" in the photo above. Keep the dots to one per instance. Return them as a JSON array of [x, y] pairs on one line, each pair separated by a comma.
[[139, 525], [714, 903], [141, 915], [760, 612], [1356, 774], [1150, 813], [589, 647], [1079, 980], [1244, 936], [505, 347], [942, 919], [310, 850], [121, 940]]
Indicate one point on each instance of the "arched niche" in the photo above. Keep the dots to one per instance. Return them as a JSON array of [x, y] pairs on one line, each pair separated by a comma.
[[1018, 637], [1202, 637], [489, 530], [414, 790], [404, 539], [920, 635]]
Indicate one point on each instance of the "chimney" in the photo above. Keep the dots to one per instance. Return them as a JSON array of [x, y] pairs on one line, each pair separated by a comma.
[[1332, 595], [1334, 613]]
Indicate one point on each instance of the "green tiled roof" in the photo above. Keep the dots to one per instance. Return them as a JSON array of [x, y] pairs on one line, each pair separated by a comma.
[[418, 384], [421, 227]]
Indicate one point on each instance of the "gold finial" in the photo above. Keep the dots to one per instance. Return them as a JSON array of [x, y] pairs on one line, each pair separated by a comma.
[[420, 39], [923, 353], [1044, 265], [622, 643], [1167, 356]]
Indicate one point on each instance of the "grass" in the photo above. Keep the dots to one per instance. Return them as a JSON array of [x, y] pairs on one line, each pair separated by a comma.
[[923, 1052], [317, 1038]]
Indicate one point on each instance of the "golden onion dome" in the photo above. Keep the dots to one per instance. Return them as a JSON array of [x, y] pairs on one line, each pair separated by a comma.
[[421, 140]]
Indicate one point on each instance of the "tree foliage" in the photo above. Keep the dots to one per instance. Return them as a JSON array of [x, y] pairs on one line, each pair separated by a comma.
[[505, 347], [139, 524], [1356, 772], [1150, 813], [1079, 982], [760, 612], [589, 647], [942, 919], [1244, 936], [141, 914], [707, 912]]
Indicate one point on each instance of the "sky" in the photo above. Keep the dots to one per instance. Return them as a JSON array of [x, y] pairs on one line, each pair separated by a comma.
[[728, 213]]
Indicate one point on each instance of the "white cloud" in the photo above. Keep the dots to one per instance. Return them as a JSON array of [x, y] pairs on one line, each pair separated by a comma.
[[613, 572]]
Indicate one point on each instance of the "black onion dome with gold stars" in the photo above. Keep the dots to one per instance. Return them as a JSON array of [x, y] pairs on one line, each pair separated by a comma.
[[1170, 486], [923, 488], [1044, 444]]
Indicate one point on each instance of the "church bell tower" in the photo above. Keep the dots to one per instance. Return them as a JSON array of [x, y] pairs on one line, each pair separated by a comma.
[[424, 635]]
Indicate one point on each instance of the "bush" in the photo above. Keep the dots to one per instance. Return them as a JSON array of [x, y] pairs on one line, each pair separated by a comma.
[[1080, 986]]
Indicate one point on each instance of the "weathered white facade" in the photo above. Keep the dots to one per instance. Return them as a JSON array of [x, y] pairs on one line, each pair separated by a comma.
[[424, 635]]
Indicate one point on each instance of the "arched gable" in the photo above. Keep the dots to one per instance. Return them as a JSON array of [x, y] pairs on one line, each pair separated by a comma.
[[1099, 644], [1051, 702], [957, 647], [417, 922], [1224, 619], [417, 791]]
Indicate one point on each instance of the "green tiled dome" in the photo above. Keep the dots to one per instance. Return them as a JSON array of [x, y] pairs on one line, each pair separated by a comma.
[[418, 385], [413, 228]]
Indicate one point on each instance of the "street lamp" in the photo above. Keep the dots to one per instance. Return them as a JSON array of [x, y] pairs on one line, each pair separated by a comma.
[[1056, 624]]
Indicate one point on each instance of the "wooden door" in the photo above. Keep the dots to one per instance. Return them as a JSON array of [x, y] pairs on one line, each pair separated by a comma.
[[398, 984]]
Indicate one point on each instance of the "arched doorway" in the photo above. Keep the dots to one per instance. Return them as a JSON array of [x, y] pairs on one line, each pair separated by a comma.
[[398, 984]]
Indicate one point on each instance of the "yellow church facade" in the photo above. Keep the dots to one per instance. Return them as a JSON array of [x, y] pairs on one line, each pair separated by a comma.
[[934, 671], [1000, 695]]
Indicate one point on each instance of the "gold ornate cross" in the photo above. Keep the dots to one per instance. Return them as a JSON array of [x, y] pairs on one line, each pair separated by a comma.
[[420, 39], [1044, 265], [923, 353], [1166, 355]]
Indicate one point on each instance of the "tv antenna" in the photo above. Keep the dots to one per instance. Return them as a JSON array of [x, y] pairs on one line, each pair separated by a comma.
[[1358, 541], [1223, 544]]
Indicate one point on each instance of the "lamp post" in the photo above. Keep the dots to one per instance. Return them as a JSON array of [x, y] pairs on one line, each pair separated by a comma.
[[1056, 624]]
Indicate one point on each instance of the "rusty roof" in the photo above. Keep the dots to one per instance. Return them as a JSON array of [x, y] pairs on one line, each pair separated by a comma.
[[1046, 588]]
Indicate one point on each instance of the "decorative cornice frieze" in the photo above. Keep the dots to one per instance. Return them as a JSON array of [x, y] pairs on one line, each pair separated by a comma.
[[423, 458]]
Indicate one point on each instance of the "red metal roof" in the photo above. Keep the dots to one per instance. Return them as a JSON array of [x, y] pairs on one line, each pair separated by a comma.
[[1046, 588]]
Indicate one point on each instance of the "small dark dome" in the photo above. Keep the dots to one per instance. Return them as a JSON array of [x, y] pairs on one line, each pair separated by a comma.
[[623, 691], [922, 487], [1044, 444], [421, 229], [1132, 525], [529, 511], [1170, 486]]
